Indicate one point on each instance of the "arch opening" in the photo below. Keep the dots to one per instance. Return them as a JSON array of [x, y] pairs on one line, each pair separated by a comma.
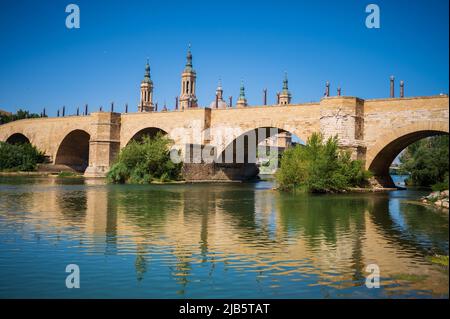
[[258, 151], [148, 131], [387, 158], [17, 138], [74, 151]]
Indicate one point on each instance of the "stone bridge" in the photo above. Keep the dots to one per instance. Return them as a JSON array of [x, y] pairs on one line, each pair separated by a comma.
[[375, 130]]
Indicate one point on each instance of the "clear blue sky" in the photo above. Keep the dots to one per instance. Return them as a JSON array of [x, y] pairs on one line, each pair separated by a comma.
[[42, 63]]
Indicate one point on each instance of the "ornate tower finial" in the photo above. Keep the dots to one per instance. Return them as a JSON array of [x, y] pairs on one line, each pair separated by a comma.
[[242, 91], [285, 82], [189, 57], [219, 90], [146, 100], [285, 96], [242, 101], [147, 72], [188, 79]]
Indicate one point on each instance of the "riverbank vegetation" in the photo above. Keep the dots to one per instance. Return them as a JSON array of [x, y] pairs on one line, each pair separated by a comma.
[[427, 161], [320, 167], [145, 161], [19, 157], [19, 115]]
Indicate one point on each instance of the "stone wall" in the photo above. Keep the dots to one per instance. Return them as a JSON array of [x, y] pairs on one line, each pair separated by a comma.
[[373, 130]]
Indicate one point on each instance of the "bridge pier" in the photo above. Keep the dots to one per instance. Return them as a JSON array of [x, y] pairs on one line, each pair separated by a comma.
[[104, 145]]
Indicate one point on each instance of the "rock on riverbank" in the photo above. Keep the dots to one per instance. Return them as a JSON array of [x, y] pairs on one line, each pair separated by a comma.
[[438, 199]]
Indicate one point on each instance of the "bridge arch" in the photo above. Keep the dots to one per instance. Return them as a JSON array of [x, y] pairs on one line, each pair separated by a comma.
[[73, 150], [249, 153], [230, 136], [380, 156], [17, 138], [146, 131]]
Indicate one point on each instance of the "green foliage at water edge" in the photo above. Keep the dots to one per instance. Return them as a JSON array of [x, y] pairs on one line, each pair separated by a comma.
[[146, 161], [19, 157], [319, 167], [427, 162]]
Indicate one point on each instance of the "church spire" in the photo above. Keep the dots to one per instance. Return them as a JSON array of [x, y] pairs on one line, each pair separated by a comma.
[[147, 78], [188, 79], [285, 83], [188, 67], [219, 90], [146, 100], [285, 95], [242, 101]]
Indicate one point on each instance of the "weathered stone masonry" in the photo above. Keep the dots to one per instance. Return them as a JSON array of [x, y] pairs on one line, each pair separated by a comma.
[[374, 130]]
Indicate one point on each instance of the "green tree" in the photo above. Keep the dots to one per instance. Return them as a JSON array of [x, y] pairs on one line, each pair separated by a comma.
[[319, 166], [145, 161], [427, 162], [19, 115], [19, 157]]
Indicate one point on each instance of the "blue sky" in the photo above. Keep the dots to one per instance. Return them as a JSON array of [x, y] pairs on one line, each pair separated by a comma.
[[44, 64]]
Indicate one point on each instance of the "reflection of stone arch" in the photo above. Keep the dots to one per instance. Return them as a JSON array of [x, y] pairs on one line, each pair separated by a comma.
[[380, 156], [73, 150], [147, 131], [17, 138]]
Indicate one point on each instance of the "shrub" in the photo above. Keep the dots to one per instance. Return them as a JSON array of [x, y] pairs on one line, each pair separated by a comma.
[[320, 166], [145, 161], [19, 157], [427, 161], [441, 186]]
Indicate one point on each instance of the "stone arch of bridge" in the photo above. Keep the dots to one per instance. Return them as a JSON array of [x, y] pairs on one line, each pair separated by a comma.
[[380, 156], [17, 138], [73, 150]]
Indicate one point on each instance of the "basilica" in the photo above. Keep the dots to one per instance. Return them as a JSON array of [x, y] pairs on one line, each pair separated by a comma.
[[187, 98]]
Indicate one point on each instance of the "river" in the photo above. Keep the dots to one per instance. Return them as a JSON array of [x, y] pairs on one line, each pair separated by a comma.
[[237, 240]]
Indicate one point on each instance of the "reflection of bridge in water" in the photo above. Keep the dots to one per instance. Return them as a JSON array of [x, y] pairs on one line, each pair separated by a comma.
[[265, 231], [373, 130]]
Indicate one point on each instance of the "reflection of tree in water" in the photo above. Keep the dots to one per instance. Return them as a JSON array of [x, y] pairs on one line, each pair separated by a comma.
[[320, 216], [411, 226], [238, 202], [147, 206], [140, 264], [181, 271]]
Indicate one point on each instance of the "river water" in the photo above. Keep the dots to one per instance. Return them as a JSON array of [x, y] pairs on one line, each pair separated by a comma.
[[214, 241]]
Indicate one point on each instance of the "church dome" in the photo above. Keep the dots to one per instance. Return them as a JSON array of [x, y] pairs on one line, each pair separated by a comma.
[[221, 104]]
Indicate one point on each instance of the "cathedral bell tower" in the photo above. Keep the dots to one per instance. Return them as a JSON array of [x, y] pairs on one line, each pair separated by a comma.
[[285, 96], [242, 101], [188, 78], [146, 101]]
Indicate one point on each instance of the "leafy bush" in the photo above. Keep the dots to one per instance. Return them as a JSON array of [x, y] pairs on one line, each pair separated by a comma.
[[441, 186], [19, 157], [145, 161], [427, 162], [320, 166]]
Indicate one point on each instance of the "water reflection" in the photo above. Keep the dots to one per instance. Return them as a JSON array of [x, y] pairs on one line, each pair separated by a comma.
[[221, 240]]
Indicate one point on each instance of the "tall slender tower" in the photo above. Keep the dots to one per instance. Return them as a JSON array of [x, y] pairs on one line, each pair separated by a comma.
[[285, 95], [188, 77], [242, 101], [146, 103]]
